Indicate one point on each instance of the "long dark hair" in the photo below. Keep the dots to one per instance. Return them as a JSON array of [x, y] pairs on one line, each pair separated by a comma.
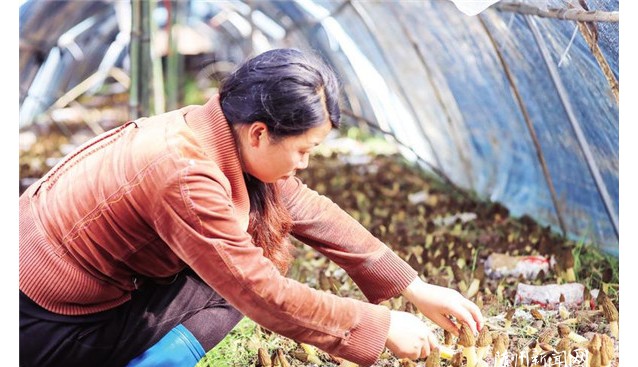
[[291, 92]]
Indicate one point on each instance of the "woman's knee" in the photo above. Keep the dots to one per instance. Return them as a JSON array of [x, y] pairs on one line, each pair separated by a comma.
[[211, 325]]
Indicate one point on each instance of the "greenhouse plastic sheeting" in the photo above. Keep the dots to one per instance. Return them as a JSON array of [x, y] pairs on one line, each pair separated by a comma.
[[503, 104]]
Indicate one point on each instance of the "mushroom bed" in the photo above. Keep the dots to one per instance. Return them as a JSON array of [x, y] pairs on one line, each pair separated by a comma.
[[547, 300]]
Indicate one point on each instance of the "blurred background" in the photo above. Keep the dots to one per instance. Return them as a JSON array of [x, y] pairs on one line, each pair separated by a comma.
[[512, 102]]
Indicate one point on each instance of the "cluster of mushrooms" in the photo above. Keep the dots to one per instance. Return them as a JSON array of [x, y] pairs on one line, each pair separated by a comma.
[[492, 348], [425, 224]]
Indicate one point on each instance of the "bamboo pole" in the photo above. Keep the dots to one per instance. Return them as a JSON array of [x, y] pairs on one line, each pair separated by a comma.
[[157, 72], [174, 61], [588, 30], [141, 74], [579, 15]]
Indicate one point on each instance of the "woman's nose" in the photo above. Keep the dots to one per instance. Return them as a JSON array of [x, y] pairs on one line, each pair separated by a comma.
[[303, 163]]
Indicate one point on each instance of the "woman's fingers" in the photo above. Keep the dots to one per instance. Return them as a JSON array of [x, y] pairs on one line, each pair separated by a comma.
[[409, 337], [466, 316], [476, 314], [425, 350], [447, 324]]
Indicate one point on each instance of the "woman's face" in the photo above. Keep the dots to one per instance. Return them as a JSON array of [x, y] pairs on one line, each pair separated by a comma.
[[270, 159]]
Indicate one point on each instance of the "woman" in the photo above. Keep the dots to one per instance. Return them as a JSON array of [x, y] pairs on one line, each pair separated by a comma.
[[148, 244]]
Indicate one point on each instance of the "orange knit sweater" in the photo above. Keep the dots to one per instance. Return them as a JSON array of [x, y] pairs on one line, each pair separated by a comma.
[[148, 199]]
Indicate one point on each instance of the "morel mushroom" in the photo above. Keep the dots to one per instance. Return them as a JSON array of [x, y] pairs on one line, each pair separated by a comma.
[[283, 361], [611, 314], [483, 343], [448, 338], [434, 359], [606, 351], [499, 349], [457, 360], [564, 347], [568, 261], [536, 314], [594, 351], [467, 340], [566, 331], [263, 358]]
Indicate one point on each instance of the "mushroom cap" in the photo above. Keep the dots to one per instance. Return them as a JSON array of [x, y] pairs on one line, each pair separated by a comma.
[[594, 344], [546, 347], [610, 311], [448, 337], [466, 337], [263, 358], [564, 345], [564, 330], [568, 259], [546, 335], [457, 360], [434, 359], [537, 314], [484, 338], [501, 342]]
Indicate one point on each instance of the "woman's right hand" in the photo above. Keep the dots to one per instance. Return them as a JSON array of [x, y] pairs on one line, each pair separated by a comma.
[[409, 337]]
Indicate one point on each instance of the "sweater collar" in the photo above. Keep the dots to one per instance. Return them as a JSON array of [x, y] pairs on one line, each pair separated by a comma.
[[216, 138]]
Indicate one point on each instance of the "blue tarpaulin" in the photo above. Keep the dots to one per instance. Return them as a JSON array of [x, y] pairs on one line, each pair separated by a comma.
[[517, 104]]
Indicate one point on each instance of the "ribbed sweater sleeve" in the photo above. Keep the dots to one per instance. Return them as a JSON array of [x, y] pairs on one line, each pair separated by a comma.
[[320, 223], [196, 218]]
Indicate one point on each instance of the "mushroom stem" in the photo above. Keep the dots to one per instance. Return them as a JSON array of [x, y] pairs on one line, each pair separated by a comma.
[[470, 356], [563, 312]]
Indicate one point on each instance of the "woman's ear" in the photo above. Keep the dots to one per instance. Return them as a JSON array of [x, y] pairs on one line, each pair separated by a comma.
[[257, 133]]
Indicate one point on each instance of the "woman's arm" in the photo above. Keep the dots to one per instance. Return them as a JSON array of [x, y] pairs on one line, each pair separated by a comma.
[[323, 225], [317, 221]]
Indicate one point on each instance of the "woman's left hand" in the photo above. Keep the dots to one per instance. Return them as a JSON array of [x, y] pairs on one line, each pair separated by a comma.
[[438, 303]]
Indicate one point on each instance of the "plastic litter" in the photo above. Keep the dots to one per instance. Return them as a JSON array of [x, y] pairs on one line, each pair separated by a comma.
[[548, 296], [503, 265]]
